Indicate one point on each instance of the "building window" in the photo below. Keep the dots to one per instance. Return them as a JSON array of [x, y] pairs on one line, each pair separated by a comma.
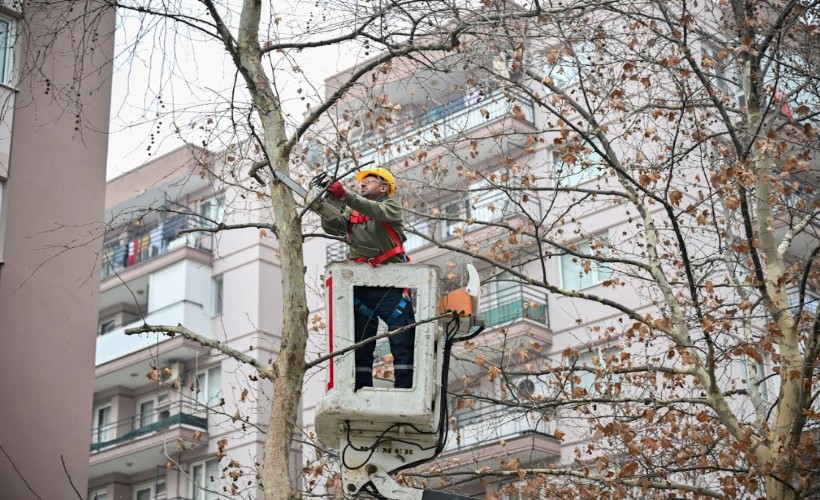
[[415, 242], [147, 412], [102, 431], [490, 205], [106, 326], [591, 371], [455, 210], [485, 203], [101, 494], [144, 492], [810, 300], [212, 211], [216, 295], [2, 222], [205, 480], [578, 273], [208, 387], [576, 164], [565, 66], [7, 36]]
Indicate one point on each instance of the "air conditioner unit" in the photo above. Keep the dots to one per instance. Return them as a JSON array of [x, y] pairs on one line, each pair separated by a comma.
[[530, 386]]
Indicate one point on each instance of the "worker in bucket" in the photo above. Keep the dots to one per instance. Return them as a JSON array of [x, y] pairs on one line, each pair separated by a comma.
[[371, 223]]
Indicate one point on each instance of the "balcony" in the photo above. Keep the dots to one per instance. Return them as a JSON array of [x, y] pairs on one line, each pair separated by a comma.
[[515, 318], [485, 435], [144, 424], [148, 242], [115, 344], [145, 441], [442, 123], [515, 303]]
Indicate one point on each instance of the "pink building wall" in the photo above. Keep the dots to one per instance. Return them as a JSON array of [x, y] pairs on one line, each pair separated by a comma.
[[54, 199]]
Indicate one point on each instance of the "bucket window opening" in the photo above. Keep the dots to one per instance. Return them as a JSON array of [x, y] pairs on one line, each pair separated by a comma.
[[388, 362]]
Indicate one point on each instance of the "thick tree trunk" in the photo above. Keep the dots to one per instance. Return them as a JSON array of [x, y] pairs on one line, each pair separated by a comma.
[[776, 455], [290, 362]]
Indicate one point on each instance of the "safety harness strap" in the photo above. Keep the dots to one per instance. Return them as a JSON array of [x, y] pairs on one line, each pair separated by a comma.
[[357, 218]]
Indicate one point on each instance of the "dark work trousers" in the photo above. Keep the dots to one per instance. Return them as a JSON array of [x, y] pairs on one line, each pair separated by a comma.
[[381, 302]]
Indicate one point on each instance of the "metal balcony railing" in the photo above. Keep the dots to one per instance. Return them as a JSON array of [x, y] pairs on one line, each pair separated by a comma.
[[470, 214], [441, 123], [131, 248], [487, 425], [146, 423], [515, 302], [510, 304]]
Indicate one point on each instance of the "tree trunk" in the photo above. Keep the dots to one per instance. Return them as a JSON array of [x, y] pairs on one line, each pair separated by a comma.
[[290, 362]]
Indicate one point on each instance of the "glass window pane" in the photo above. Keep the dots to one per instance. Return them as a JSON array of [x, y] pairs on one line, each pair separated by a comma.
[[147, 414], [214, 385], [197, 476], [4, 48], [102, 430], [489, 206]]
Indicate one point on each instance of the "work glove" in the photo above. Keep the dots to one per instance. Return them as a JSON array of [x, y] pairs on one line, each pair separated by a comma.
[[337, 190]]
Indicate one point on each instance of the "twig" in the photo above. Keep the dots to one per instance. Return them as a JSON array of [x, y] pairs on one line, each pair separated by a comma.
[[361, 343], [223, 227], [20, 474], [265, 371], [70, 481]]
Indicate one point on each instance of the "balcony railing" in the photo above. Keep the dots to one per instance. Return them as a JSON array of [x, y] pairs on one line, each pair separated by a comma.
[[485, 425], [515, 302], [441, 123], [151, 241], [510, 304], [468, 214], [144, 424]]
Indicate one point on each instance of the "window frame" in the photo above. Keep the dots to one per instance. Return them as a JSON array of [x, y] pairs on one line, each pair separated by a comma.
[[98, 494], [578, 174], [200, 491], [206, 402], [565, 72], [594, 269], [143, 487], [96, 433], [138, 416], [217, 295], [602, 351], [106, 326], [7, 71], [211, 210]]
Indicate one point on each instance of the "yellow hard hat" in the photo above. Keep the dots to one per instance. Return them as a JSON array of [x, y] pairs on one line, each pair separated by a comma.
[[382, 174]]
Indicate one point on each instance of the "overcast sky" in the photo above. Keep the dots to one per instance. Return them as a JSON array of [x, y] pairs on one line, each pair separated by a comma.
[[168, 87]]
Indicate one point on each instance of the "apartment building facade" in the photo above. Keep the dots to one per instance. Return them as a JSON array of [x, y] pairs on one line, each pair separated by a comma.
[[474, 157], [482, 159], [53, 147], [172, 419]]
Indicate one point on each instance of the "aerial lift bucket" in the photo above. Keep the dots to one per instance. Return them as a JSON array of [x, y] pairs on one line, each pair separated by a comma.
[[380, 430]]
